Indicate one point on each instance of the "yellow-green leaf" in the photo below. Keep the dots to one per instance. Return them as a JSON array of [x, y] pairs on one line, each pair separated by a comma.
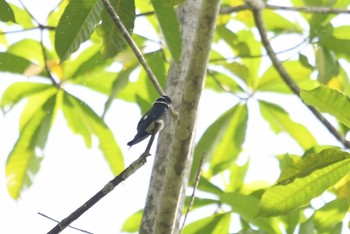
[[330, 101]]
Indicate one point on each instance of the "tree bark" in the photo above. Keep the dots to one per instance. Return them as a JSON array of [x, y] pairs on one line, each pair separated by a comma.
[[185, 82]]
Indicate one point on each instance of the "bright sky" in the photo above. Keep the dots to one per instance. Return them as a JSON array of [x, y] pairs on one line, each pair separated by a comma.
[[70, 174]]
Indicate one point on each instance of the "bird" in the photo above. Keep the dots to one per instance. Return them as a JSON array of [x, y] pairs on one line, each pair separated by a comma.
[[157, 114]]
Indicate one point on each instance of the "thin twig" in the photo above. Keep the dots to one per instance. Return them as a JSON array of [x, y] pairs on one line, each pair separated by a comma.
[[78, 229], [305, 9], [261, 55], [45, 59], [256, 7], [195, 186], [136, 50], [131, 169]]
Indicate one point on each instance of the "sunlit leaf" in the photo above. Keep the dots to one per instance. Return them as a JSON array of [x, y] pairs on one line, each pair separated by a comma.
[[84, 121], [327, 65], [113, 40], [221, 82], [19, 90], [28, 49], [330, 101], [24, 160], [280, 121], [215, 224], [170, 26], [341, 47], [12, 63], [223, 140], [281, 199], [22, 17], [328, 216], [76, 25], [247, 207], [272, 81], [309, 163], [132, 223], [119, 83], [6, 13]]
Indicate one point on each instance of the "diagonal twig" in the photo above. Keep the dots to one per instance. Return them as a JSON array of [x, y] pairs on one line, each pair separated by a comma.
[[136, 50], [256, 7], [195, 186], [131, 169]]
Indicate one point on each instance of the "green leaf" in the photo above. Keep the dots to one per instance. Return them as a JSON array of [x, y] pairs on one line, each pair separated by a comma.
[[221, 82], [84, 121], [6, 13], [215, 224], [341, 47], [76, 25], [19, 90], [330, 101], [342, 32], [207, 186], [113, 40], [119, 83], [12, 63], [170, 27], [272, 81], [222, 141], [327, 217], [327, 65], [247, 206], [23, 18], [280, 121], [133, 222], [24, 160], [309, 163], [28, 49], [281, 199]]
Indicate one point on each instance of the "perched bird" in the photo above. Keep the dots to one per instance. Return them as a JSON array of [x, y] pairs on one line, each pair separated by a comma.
[[157, 114]]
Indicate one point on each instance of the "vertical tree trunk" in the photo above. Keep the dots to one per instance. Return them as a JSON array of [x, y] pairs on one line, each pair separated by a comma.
[[185, 82]]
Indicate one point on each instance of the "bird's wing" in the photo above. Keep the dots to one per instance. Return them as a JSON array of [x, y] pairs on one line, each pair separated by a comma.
[[148, 118]]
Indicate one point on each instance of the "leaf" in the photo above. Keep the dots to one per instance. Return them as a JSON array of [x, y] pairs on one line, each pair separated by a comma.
[[215, 224], [327, 65], [24, 160], [272, 81], [12, 63], [280, 121], [19, 90], [247, 206], [133, 222], [6, 13], [330, 101], [281, 199], [84, 121], [342, 32], [23, 18], [222, 140], [170, 27], [113, 40], [309, 163], [28, 49], [76, 25], [328, 216], [121, 80]]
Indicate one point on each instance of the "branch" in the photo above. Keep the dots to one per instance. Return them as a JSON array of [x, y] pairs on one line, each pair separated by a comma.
[[315, 10], [257, 6], [195, 186], [305, 9], [136, 50], [131, 169]]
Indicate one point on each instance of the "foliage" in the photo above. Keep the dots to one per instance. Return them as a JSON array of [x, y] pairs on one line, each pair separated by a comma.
[[83, 47]]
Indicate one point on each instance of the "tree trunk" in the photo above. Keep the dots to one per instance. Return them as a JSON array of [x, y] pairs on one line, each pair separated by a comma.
[[185, 82]]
